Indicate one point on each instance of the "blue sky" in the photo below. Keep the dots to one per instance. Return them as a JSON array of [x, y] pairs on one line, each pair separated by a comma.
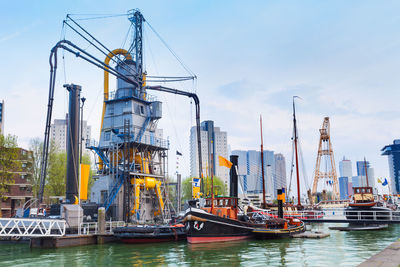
[[341, 57]]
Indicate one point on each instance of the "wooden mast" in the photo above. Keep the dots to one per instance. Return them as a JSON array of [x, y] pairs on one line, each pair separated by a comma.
[[264, 205], [296, 154]]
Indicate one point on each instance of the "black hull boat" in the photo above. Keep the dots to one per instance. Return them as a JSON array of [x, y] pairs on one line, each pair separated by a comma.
[[294, 227], [150, 234], [204, 227]]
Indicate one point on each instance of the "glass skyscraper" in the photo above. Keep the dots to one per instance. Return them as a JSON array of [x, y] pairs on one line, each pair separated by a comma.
[[393, 153]]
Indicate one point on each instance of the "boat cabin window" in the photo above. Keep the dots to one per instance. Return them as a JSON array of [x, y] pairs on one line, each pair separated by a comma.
[[363, 190]]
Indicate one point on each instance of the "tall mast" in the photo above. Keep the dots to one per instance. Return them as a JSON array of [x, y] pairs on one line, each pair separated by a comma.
[[296, 154], [262, 165]]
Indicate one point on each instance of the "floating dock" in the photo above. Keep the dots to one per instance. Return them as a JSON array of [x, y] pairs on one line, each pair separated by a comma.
[[312, 234], [71, 241]]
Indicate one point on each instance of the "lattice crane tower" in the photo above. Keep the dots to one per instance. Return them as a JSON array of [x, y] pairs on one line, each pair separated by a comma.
[[325, 150]]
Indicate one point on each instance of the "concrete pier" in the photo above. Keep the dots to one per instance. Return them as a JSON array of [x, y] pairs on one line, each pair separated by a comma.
[[388, 257]]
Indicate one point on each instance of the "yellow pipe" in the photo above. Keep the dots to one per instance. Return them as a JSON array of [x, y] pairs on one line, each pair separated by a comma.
[[110, 55]]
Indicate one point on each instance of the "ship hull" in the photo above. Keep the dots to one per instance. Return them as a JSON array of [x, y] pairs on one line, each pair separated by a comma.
[[154, 234], [278, 233], [203, 227]]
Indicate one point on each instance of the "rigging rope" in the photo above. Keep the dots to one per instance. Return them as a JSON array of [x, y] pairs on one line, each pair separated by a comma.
[[171, 51]]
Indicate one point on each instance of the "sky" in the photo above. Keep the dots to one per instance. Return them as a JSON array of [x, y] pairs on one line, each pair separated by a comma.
[[250, 58]]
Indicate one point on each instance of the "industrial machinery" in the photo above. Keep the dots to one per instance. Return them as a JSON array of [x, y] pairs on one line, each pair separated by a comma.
[[325, 154], [132, 154]]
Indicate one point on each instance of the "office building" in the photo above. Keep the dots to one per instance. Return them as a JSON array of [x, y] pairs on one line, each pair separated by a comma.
[[214, 143], [345, 169], [393, 153], [361, 165], [344, 187], [280, 172], [251, 175], [58, 133]]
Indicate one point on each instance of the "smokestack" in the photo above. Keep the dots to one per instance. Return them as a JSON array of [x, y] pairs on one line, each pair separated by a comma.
[[72, 143], [233, 176]]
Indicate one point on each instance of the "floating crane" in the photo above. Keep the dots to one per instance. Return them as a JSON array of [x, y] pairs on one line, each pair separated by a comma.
[[132, 154]]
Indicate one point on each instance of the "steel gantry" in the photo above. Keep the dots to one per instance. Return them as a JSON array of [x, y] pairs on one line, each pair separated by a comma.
[[325, 151]]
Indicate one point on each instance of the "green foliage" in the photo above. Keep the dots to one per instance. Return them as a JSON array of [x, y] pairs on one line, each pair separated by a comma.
[[56, 174], [36, 146], [8, 161], [56, 170], [219, 187]]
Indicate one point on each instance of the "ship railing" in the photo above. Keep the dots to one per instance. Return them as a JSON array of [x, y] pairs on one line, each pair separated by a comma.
[[381, 215], [92, 228], [343, 214], [110, 225], [309, 214], [31, 227]]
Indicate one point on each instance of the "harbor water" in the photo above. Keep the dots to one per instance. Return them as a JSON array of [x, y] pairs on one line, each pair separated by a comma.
[[339, 249]]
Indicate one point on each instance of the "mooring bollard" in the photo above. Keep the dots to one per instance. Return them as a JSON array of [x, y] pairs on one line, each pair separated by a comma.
[[101, 220]]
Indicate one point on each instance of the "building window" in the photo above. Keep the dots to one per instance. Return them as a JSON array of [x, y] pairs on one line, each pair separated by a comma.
[[107, 136]]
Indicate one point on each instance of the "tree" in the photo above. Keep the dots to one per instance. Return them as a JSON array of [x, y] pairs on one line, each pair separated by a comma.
[[219, 187], [56, 174], [8, 161], [36, 146]]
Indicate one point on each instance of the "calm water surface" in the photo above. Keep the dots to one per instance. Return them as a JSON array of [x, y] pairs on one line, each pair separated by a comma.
[[340, 249]]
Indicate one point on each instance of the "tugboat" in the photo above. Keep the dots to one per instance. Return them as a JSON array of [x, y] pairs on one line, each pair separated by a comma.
[[221, 219]]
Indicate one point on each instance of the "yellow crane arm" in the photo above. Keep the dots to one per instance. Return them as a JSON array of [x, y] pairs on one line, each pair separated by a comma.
[[110, 55]]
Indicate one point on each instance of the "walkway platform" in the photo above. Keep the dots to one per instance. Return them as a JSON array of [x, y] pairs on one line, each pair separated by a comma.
[[389, 257], [71, 241]]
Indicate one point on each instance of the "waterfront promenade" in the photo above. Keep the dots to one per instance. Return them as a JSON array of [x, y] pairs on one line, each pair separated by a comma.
[[389, 257]]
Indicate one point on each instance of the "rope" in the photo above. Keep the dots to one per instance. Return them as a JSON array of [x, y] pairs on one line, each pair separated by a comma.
[[171, 51]]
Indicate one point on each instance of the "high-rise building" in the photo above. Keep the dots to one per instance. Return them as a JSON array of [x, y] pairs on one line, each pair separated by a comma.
[[393, 153], [58, 133], [344, 187], [280, 172], [214, 143], [356, 181], [345, 169], [361, 167], [2, 117], [252, 176]]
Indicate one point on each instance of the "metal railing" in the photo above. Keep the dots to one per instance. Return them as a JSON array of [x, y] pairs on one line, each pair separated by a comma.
[[346, 215], [92, 228], [16, 227]]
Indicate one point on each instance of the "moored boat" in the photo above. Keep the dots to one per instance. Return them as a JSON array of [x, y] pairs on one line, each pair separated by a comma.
[[150, 234], [216, 224]]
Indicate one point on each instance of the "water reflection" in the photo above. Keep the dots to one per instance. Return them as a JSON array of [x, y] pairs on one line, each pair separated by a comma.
[[340, 249]]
